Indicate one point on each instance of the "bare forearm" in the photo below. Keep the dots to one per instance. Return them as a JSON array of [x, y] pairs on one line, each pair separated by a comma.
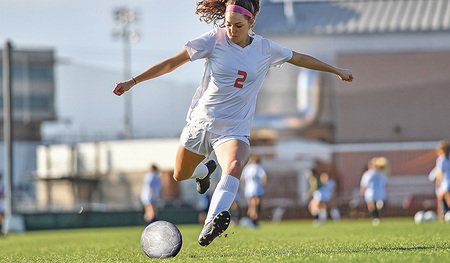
[[154, 71], [163, 67], [309, 62]]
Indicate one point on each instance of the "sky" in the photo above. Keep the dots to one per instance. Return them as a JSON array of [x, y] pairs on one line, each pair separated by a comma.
[[90, 61]]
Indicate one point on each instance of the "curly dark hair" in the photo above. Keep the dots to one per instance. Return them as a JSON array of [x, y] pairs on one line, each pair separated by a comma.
[[213, 11]]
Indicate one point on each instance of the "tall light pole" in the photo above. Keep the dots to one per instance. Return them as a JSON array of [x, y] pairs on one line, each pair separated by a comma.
[[7, 132], [125, 18]]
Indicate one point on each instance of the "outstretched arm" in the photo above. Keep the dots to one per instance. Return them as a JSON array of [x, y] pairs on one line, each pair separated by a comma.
[[154, 71], [309, 62]]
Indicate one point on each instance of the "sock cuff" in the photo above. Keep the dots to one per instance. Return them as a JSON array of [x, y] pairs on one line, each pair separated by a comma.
[[229, 182]]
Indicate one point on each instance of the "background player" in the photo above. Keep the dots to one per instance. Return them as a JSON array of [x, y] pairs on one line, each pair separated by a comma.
[[254, 178], [441, 173], [373, 184], [323, 199], [150, 193]]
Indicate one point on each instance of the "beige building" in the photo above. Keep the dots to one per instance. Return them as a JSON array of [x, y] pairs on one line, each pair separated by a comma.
[[398, 104]]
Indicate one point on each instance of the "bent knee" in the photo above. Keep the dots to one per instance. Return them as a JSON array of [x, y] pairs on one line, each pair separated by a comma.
[[177, 177], [180, 176], [235, 168]]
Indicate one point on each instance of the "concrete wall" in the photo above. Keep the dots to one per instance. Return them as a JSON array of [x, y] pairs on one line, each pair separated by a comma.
[[395, 97], [396, 59], [64, 160], [104, 175]]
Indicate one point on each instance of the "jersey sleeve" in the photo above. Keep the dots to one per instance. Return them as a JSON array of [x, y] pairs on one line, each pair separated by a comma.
[[202, 46], [279, 54]]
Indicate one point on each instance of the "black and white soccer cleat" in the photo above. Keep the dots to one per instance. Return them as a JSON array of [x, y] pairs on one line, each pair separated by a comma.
[[203, 184], [214, 228]]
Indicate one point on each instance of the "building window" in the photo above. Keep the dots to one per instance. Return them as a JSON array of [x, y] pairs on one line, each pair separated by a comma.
[[34, 72], [33, 102]]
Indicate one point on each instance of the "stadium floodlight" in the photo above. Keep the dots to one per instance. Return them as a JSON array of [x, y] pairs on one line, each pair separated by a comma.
[[125, 18], [7, 130]]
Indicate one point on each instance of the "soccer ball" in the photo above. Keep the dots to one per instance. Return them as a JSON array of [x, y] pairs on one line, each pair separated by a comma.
[[447, 217], [429, 216], [161, 239], [418, 217]]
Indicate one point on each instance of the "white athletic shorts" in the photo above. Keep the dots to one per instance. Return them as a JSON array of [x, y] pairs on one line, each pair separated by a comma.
[[203, 142], [443, 187], [371, 196]]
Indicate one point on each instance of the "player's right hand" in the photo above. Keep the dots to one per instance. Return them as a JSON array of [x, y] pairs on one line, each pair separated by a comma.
[[122, 87]]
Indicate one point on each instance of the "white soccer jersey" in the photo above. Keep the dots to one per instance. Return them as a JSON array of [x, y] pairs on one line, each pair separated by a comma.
[[225, 101]]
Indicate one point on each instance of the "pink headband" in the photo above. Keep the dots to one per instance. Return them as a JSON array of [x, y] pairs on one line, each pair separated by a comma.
[[239, 9]]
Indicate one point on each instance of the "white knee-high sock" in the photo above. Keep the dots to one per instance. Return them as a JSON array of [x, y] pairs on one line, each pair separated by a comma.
[[200, 171], [335, 214], [223, 196], [322, 215]]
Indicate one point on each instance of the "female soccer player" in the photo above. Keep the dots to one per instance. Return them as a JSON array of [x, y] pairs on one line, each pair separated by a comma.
[[151, 189], [442, 174], [373, 183], [255, 179], [323, 198], [221, 112]]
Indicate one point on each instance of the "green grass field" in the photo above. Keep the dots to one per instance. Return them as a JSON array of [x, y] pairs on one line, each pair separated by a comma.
[[394, 240]]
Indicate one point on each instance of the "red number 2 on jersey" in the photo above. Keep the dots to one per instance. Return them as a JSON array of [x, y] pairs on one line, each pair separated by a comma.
[[244, 77]]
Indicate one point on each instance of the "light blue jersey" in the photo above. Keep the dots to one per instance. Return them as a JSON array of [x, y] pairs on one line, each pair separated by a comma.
[[375, 183], [253, 176], [151, 188], [443, 165], [324, 193]]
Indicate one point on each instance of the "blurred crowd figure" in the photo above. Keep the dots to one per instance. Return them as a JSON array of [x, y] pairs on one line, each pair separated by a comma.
[[203, 205], [150, 193], [234, 210], [322, 189], [373, 186], [2, 210], [440, 174], [254, 178]]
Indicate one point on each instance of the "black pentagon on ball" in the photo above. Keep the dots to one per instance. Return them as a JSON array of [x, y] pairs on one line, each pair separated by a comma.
[[161, 239]]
